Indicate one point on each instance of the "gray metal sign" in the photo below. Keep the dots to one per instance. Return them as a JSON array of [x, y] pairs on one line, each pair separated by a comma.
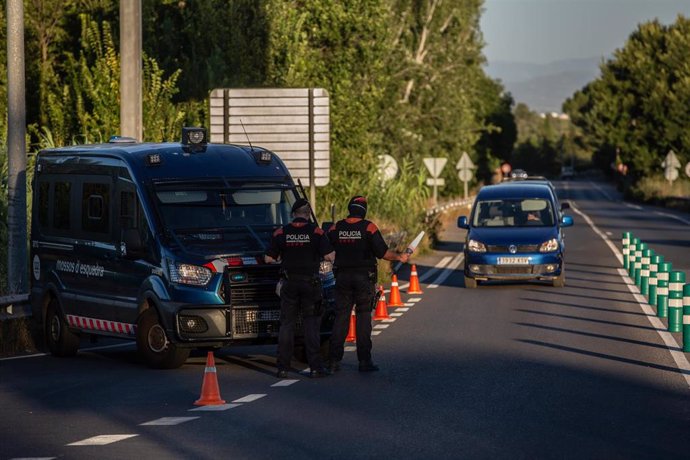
[[292, 122]]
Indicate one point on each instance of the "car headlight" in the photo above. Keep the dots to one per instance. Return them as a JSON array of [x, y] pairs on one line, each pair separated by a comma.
[[189, 274], [475, 246], [549, 246]]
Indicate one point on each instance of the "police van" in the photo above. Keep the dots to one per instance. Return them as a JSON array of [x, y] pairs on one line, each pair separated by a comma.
[[162, 243]]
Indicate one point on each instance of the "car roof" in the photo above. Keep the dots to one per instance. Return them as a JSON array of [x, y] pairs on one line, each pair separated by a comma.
[[176, 160], [516, 189]]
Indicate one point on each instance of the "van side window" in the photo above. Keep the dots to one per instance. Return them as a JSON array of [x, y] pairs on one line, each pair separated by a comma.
[[95, 208], [127, 209], [61, 213], [43, 204]]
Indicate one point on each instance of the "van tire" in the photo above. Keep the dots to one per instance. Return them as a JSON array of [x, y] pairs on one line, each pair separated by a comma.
[[60, 340], [470, 283], [559, 282], [153, 344]]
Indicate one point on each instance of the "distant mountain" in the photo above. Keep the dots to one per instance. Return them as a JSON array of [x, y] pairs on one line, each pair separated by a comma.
[[544, 87]]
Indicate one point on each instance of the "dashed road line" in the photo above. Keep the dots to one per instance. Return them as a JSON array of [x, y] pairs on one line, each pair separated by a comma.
[[285, 383], [102, 440], [388, 320], [168, 421], [214, 408], [408, 304], [375, 332], [414, 299], [350, 348], [402, 309], [396, 314], [457, 260], [381, 326], [249, 398]]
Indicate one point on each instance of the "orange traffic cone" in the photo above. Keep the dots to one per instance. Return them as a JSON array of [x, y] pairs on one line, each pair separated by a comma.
[[351, 333], [395, 300], [381, 307], [210, 394], [414, 282]]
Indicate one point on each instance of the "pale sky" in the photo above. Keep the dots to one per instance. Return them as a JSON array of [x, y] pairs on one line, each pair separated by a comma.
[[542, 31]]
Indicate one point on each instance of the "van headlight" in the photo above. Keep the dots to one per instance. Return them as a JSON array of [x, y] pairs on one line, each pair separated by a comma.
[[475, 246], [549, 246], [189, 274]]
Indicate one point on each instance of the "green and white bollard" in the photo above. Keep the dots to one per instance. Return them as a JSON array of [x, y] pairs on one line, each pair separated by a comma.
[[662, 289], [644, 271], [686, 318], [631, 260], [638, 262], [675, 301], [653, 268], [627, 236]]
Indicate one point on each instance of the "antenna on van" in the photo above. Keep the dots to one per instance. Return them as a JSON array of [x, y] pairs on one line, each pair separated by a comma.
[[251, 147]]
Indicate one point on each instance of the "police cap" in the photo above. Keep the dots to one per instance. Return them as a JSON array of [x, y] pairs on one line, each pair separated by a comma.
[[357, 206], [300, 203]]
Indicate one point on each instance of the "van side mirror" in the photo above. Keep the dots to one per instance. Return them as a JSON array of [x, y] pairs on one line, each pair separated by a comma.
[[134, 246], [565, 205], [462, 222], [567, 221]]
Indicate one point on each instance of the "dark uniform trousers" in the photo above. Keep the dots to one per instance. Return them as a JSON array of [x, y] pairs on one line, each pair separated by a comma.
[[353, 287], [296, 291]]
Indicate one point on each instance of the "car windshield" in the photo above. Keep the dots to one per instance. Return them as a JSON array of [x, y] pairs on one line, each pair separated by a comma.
[[230, 219], [513, 213]]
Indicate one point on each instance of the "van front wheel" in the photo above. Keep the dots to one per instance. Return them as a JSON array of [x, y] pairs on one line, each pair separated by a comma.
[[154, 346], [60, 340]]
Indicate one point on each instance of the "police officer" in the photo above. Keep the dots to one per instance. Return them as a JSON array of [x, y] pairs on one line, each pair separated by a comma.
[[358, 243], [300, 245]]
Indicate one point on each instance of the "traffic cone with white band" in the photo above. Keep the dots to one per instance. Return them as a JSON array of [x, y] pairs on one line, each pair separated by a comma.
[[395, 300], [414, 282], [352, 332], [210, 393], [381, 307]]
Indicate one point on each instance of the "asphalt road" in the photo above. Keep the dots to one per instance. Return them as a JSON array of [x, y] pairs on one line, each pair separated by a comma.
[[511, 370]]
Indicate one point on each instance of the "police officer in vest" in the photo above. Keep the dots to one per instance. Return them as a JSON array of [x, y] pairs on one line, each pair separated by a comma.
[[358, 243], [300, 245]]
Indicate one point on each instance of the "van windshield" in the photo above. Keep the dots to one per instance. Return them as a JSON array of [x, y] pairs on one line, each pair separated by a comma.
[[237, 220], [513, 213]]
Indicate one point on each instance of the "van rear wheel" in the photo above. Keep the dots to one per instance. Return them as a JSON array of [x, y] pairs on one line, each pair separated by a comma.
[[153, 344], [60, 340]]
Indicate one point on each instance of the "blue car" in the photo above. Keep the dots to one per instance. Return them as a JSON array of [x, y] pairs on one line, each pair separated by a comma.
[[514, 232]]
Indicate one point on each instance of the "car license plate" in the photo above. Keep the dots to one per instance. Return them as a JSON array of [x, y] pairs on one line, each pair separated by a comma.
[[513, 261]]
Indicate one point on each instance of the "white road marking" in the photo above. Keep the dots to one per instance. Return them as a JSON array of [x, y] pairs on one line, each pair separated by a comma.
[[634, 206], [23, 357], [601, 190], [214, 408], [381, 326], [408, 304], [457, 260], [249, 398], [397, 315], [609, 234], [102, 440], [665, 214], [429, 273], [350, 348], [389, 320], [678, 356], [414, 299], [402, 309], [375, 332], [167, 421], [285, 383]]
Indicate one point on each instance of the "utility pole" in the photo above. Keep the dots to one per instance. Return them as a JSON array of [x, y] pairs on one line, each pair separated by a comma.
[[17, 263], [131, 117]]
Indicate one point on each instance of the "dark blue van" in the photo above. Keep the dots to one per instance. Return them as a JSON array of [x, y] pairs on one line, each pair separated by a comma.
[[161, 243], [514, 232]]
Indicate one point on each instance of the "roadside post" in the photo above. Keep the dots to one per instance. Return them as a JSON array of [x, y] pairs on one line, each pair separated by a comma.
[[639, 249], [644, 271], [631, 262], [686, 318], [626, 249], [675, 301], [435, 166], [653, 268], [662, 289]]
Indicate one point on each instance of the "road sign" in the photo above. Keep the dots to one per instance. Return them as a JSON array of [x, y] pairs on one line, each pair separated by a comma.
[[435, 166], [671, 165], [465, 167], [388, 167], [292, 122], [687, 169]]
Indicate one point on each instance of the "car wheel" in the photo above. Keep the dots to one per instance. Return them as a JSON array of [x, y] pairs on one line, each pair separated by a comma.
[[470, 283], [560, 280], [153, 344], [60, 340]]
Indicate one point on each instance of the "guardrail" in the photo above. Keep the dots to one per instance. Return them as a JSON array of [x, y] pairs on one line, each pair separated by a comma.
[[449, 205], [14, 306]]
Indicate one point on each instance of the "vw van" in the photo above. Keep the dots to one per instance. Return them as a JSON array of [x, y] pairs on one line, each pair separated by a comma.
[[161, 243]]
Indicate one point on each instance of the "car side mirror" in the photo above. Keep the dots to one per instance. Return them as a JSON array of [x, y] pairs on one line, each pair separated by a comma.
[[565, 205], [567, 221], [133, 245], [462, 222]]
